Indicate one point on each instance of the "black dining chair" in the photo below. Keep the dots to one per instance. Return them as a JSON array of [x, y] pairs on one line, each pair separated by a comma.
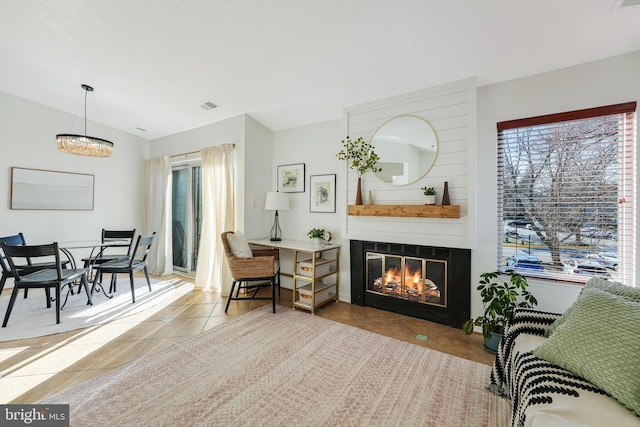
[[136, 262], [106, 254], [29, 267], [56, 278]]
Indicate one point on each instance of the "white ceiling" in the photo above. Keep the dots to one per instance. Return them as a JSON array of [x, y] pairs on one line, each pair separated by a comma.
[[284, 62]]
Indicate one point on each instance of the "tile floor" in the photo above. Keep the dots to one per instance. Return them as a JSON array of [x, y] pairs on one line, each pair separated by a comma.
[[32, 369]]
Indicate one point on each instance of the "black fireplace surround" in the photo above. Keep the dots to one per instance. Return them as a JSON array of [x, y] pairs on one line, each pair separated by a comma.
[[457, 309]]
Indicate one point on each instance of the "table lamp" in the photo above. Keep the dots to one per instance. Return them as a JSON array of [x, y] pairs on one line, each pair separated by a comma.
[[276, 202]]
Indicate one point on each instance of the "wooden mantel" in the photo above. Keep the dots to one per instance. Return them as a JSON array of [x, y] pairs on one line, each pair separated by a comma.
[[416, 211]]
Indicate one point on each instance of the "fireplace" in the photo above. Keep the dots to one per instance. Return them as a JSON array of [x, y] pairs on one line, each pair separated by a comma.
[[427, 282], [421, 280]]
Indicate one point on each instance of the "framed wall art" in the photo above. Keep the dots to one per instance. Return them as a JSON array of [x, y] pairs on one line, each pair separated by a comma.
[[51, 190], [322, 193], [291, 178]]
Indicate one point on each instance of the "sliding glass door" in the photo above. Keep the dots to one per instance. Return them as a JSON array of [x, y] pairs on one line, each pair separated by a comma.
[[187, 215]]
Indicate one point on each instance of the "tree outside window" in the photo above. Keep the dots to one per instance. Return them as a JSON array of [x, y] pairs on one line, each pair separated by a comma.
[[563, 185]]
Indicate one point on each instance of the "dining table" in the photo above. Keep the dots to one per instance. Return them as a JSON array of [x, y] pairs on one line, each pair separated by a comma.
[[96, 248]]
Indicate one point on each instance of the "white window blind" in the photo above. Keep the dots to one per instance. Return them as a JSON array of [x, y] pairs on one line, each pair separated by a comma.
[[566, 195]]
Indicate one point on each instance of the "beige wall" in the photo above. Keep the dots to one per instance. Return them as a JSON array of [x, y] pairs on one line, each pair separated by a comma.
[[27, 138], [450, 109], [610, 81]]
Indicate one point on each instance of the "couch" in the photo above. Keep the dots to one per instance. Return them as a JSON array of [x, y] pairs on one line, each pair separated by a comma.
[[581, 368]]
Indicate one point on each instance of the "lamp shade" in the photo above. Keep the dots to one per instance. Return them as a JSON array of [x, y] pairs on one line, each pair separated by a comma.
[[276, 202]]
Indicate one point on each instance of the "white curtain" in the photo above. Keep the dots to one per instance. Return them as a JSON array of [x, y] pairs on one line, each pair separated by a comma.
[[218, 181], [156, 213]]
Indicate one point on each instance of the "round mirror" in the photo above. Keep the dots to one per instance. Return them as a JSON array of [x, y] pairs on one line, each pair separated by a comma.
[[407, 146]]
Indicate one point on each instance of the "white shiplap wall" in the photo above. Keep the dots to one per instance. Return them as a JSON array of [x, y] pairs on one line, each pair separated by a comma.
[[451, 110]]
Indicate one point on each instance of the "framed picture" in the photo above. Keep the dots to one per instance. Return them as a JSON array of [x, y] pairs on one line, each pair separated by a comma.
[[322, 193], [291, 178], [51, 190]]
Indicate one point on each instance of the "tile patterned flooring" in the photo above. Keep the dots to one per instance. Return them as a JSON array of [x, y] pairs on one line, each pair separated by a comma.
[[32, 369]]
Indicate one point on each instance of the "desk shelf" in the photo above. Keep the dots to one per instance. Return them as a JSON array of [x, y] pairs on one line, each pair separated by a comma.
[[319, 275], [321, 294], [319, 279]]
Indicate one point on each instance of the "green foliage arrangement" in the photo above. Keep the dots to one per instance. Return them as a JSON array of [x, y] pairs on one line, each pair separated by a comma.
[[316, 233], [500, 297], [428, 191], [361, 155]]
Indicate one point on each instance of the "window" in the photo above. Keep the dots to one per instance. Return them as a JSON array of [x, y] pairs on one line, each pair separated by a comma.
[[566, 187]]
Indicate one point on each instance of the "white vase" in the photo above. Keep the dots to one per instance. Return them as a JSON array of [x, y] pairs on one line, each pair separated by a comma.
[[430, 200]]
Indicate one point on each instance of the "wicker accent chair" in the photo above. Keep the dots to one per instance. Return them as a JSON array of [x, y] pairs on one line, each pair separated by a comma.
[[252, 274]]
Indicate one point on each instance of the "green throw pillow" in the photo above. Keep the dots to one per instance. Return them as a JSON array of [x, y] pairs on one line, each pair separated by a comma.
[[605, 285], [614, 288], [600, 341]]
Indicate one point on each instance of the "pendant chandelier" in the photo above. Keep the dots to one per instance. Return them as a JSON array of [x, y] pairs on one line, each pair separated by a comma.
[[84, 145]]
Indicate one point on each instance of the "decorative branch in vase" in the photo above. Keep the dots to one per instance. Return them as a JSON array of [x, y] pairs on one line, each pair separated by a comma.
[[361, 157]]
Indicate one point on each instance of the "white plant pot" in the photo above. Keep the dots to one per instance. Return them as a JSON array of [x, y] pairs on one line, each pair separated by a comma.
[[430, 200]]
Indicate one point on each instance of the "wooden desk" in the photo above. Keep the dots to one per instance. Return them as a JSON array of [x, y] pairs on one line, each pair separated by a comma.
[[316, 271]]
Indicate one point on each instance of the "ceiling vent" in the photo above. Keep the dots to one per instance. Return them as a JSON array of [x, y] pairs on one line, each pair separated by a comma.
[[140, 129], [208, 106]]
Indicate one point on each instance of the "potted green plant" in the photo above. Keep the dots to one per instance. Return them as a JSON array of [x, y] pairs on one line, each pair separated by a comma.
[[500, 297], [429, 195], [361, 157], [316, 234]]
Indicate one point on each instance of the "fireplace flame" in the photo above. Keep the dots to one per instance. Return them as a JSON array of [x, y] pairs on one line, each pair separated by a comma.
[[409, 285], [392, 276], [421, 280], [417, 278]]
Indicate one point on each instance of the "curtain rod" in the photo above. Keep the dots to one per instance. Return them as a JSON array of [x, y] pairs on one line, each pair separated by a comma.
[[192, 152]]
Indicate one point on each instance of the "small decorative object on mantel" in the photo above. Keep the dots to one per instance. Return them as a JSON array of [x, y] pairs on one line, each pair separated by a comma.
[[445, 194], [361, 157], [429, 195]]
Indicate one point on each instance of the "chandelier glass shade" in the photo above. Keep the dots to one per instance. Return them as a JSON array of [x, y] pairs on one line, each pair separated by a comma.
[[84, 145]]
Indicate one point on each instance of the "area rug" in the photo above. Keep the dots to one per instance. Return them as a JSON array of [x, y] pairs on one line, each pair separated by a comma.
[[289, 369], [30, 317]]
